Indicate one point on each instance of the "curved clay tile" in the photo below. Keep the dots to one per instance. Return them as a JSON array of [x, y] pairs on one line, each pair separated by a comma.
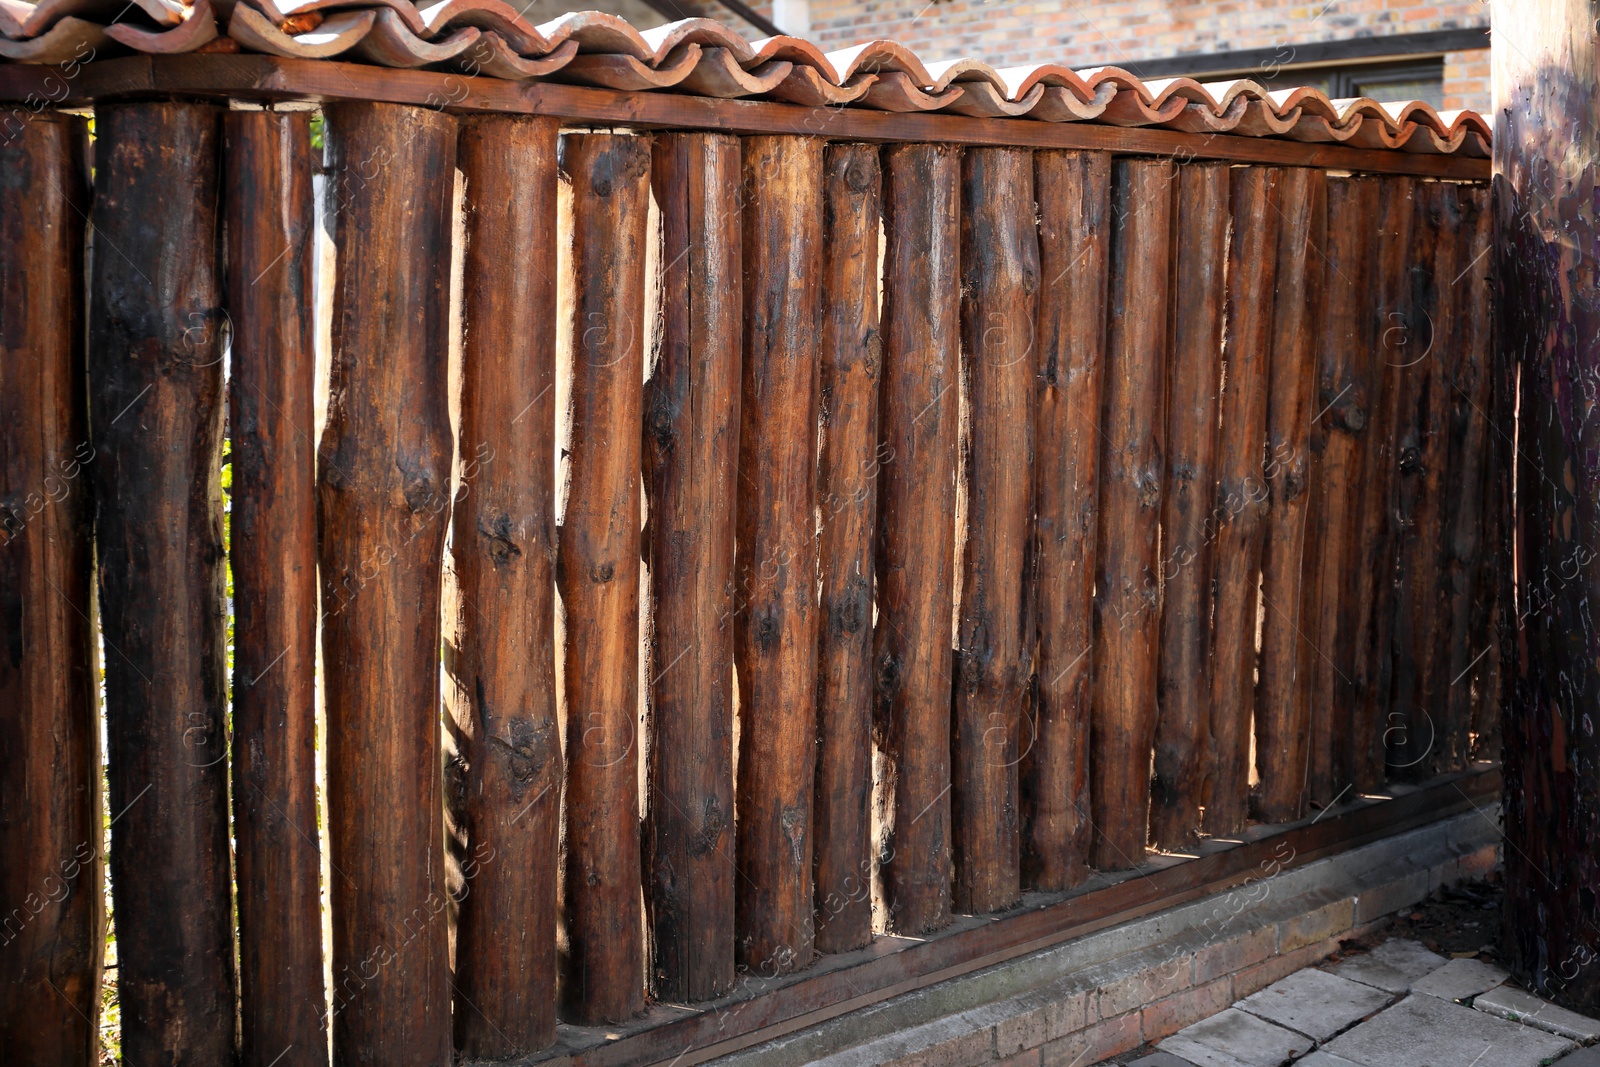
[[391, 44], [1261, 119], [280, 11], [707, 33], [800, 52], [20, 21], [616, 71], [981, 100], [598, 33], [1159, 92], [1018, 80], [337, 34], [1127, 109], [491, 55], [490, 16], [966, 71], [1310, 101], [1062, 105], [805, 85], [1317, 128], [895, 91], [718, 74], [880, 57], [70, 40], [1201, 118], [198, 29]]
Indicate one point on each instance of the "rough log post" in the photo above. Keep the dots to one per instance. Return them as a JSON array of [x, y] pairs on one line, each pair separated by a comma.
[[1194, 383], [384, 498], [1459, 646], [1346, 375], [271, 221], [852, 352], [1127, 604], [994, 662], [597, 573], [916, 529], [1411, 737], [1282, 711], [501, 624], [155, 356], [691, 448], [776, 633], [1241, 490], [49, 729], [1547, 155], [1374, 572], [1073, 192]]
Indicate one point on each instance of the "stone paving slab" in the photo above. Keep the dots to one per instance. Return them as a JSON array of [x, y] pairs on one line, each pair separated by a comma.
[[1315, 1003], [1161, 1059], [1391, 966], [1426, 1031], [1584, 1057], [1460, 979], [1509, 1002], [1235, 1038], [1324, 1059]]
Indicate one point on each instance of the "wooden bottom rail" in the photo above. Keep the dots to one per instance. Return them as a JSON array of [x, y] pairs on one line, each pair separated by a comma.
[[765, 1006]]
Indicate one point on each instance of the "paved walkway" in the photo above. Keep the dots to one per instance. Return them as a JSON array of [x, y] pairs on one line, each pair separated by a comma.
[[1399, 1005]]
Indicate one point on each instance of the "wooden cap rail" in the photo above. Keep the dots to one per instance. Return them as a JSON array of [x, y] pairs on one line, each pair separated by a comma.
[[819, 550]]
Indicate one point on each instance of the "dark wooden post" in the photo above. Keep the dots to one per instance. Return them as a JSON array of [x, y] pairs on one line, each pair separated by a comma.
[[273, 550], [1547, 155], [502, 621], [1282, 706], [852, 354], [1194, 384], [1127, 600], [1073, 191], [384, 499], [776, 631], [597, 573], [691, 449], [49, 728], [994, 634], [916, 529], [155, 358], [1241, 492]]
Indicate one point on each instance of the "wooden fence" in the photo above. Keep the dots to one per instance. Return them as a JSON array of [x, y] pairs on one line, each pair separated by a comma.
[[824, 539]]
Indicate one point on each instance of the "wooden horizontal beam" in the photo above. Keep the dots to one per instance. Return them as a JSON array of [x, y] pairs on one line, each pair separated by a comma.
[[766, 1007], [268, 78]]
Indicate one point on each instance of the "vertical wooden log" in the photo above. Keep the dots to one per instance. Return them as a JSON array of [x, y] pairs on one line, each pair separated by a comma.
[[1073, 193], [1282, 717], [916, 529], [1547, 153], [1374, 535], [1194, 382], [597, 574], [155, 356], [1347, 376], [994, 659], [691, 449], [1411, 737], [1127, 601], [273, 550], [852, 352], [384, 496], [1460, 645], [501, 624], [776, 636], [50, 937], [1241, 490]]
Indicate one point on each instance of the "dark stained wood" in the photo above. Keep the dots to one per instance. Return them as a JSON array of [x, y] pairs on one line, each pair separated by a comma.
[[1547, 329], [1194, 384], [1282, 720], [1374, 573], [500, 625], [49, 722], [1127, 620], [1347, 376], [916, 530], [776, 633], [1241, 491], [993, 667], [384, 497], [1459, 645], [1073, 193], [270, 77], [155, 356], [1412, 738], [691, 452], [273, 552], [597, 574], [847, 487]]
